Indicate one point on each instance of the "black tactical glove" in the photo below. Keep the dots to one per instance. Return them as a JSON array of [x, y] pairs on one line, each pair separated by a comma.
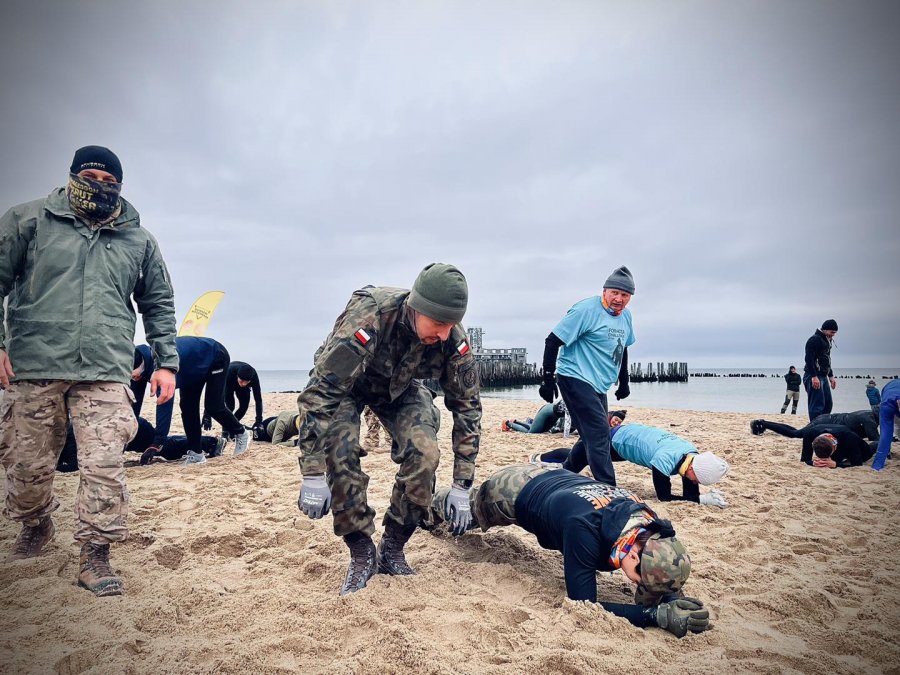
[[148, 455], [683, 615], [548, 390], [206, 423], [623, 391]]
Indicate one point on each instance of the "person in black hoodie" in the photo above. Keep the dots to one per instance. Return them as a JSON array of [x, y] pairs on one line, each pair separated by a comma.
[[596, 527], [835, 447], [793, 379], [240, 380], [861, 422], [818, 377]]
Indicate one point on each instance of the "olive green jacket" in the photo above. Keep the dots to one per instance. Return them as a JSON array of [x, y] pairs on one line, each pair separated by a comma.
[[377, 365], [69, 288]]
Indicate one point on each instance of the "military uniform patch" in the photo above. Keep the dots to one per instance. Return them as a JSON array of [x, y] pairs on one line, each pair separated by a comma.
[[362, 336], [463, 348], [469, 376]]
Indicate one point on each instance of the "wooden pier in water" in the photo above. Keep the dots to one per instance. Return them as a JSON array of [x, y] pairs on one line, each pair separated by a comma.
[[663, 372]]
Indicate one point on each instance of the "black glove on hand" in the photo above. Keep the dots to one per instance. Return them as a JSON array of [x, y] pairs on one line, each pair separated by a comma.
[[548, 390], [683, 615], [623, 391], [206, 423]]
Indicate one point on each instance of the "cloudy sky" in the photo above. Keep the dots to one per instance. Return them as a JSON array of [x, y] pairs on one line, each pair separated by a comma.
[[741, 157]]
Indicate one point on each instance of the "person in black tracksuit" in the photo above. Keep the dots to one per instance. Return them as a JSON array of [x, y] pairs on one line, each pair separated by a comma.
[[851, 450], [241, 379], [203, 366], [793, 380], [174, 447], [861, 422]]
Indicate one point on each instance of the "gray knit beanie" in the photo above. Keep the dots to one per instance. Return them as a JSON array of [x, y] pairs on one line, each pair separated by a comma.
[[621, 280], [440, 293]]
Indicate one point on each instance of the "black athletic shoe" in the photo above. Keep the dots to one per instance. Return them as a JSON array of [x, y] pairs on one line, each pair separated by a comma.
[[756, 427]]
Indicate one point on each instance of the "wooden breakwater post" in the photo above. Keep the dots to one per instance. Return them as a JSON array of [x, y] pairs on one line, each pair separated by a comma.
[[497, 373], [662, 372]]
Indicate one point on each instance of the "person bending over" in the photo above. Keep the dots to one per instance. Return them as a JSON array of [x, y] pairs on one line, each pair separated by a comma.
[[861, 422], [889, 410], [280, 430], [666, 455], [241, 379], [844, 448], [596, 527]]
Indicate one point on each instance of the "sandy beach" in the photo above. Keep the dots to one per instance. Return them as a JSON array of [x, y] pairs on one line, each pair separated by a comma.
[[223, 574]]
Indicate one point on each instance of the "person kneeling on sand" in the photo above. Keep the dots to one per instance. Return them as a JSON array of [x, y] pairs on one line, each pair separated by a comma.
[[279, 430], [596, 527], [836, 446], [667, 455]]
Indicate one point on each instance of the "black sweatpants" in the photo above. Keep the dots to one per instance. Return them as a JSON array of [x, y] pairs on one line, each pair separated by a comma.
[[213, 402], [588, 411]]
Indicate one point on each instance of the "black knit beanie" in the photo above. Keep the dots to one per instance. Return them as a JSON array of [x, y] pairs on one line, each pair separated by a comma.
[[96, 157], [830, 324], [621, 280], [245, 372], [440, 292]]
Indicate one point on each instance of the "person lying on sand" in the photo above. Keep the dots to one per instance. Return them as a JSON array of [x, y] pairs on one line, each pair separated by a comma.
[[596, 527], [834, 446], [667, 455], [863, 423]]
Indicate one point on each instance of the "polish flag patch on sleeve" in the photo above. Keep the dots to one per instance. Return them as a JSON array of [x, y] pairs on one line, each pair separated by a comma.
[[362, 336], [463, 348]]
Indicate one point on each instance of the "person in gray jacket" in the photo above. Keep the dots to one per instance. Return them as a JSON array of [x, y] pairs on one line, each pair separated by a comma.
[[73, 266]]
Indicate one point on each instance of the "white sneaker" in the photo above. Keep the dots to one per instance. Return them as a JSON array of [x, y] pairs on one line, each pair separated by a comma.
[[192, 457], [241, 441]]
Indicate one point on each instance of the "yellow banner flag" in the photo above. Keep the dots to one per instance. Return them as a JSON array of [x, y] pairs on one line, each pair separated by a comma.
[[200, 313]]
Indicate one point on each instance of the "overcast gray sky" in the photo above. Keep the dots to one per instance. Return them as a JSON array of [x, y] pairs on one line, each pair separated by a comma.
[[741, 157]]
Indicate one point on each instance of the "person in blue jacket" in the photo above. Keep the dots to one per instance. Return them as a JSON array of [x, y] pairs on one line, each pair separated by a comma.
[[888, 411], [874, 397], [204, 364], [666, 455]]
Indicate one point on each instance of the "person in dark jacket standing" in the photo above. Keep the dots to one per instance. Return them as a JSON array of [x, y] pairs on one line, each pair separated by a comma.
[[818, 377], [242, 378], [594, 335], [596, 527], [793, 380], [73, 267]]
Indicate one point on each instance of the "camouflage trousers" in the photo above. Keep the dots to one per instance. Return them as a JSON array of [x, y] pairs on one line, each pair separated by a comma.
[[34, 415], [413, 422], [493, 503], [373, 425]]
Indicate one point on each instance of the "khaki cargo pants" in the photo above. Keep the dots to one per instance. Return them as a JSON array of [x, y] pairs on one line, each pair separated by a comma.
[[33, 419]]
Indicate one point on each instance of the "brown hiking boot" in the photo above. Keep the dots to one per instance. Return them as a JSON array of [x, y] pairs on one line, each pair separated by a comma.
[[96, 574], [362, 562], [391, 559], [31, 540]]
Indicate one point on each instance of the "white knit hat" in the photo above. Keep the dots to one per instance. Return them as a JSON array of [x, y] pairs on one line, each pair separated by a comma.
[[709, 468]]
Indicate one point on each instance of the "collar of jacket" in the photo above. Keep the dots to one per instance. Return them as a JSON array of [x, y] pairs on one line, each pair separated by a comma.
[[57, 203]]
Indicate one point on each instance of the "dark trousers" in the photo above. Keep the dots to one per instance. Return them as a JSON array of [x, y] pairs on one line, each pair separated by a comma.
[[213, 402], [818, 401], [588, 411], [242, 394], [176, 447]]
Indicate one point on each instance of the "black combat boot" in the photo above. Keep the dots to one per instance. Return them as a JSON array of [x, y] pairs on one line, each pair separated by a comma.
[[390, 550], [362, 562]]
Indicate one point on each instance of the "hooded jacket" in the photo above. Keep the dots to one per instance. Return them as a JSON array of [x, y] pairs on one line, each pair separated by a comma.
[[70, 289]]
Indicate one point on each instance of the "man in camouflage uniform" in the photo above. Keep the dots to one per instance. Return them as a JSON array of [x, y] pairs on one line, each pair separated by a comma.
[[384, 342], [373, 427], [597, 527], [70, 266]]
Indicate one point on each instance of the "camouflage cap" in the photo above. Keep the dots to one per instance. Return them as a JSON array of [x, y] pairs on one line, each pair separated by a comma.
[[665, 567]]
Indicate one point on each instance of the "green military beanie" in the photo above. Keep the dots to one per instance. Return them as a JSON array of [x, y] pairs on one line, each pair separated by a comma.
[[621, 280], [440, 292]]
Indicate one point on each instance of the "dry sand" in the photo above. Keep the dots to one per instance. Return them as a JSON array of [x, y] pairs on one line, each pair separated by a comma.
[[223, 574]]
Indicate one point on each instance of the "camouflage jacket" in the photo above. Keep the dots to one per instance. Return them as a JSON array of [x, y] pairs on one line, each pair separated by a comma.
[[70, 291], [373, 354]]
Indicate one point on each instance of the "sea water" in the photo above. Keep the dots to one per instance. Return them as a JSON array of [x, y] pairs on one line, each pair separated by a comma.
[[764, 395]]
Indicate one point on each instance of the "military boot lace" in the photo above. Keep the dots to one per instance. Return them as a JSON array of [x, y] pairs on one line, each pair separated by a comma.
[[362, 565], [391, 559], [96, 574]]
